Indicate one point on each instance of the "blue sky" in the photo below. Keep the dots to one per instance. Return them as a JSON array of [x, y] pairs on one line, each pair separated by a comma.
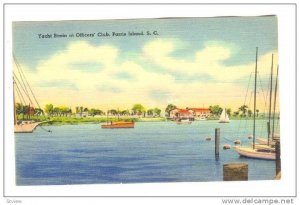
[[187, 51]]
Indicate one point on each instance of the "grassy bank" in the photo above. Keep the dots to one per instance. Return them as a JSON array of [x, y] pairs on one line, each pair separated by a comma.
[[73, 120]]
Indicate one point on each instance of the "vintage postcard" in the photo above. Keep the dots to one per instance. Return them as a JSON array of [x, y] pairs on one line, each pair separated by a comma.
[[146, 100]]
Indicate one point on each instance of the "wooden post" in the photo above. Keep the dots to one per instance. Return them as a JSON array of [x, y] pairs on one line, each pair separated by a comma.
[[235, 172], [217, 143], [278, 159]]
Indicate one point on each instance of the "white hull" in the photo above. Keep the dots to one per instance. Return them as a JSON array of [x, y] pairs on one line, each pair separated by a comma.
[[27, 127], [184, 122], [250, 153], [224, 121]]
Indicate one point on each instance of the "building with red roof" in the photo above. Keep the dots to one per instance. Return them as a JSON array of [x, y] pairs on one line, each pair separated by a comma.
[[200, 113], [190, 113]]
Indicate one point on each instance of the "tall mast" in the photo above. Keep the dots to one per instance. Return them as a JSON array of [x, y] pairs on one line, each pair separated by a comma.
[[255, 99], [270, 105], [15, 112], [274, 103]]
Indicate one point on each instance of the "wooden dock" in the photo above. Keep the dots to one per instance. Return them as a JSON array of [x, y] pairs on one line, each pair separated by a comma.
[[27, 126]]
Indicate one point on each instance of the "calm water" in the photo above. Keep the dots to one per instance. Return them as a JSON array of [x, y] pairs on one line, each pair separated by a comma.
[[151, 152]]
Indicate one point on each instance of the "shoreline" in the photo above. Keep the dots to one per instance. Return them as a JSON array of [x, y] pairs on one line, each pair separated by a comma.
[[92, 120]]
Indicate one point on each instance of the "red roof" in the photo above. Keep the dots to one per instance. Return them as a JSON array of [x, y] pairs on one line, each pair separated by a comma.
[[183, 111], [200, 109]]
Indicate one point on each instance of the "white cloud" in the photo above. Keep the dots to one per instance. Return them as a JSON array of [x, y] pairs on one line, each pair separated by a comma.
[[102, 88], [208, 61]]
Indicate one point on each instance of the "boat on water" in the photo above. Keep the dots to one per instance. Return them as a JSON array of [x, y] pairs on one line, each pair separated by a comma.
[[266, 147], [224, 118], [20, 86], [257, 151], [265, 141], [26, 126], [183, 121], [202, 118], [112, 125]]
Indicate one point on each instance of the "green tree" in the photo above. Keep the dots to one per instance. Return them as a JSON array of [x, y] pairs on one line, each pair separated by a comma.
[[150, 112], [20, 110], [64, 111], [138, 109], [125, 112], [249, 112], [113, 112], [157, 111], [215, 109], [38, 111], [228, 111], [235, 114], [92, 112], [243, 109], [169, 108], [56, 111], [257, 111], [49, 109]]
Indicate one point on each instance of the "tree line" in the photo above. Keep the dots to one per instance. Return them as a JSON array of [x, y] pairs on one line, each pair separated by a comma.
[[242, 111], [27, 110], [137, 109], [64, 111]]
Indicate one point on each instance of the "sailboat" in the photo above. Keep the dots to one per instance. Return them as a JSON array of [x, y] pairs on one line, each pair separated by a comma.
[[224, 118], [19, 85], [257, 152], [272, 137]]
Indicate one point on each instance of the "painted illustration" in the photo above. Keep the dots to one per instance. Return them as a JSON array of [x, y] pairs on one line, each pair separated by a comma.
[[146, 100]]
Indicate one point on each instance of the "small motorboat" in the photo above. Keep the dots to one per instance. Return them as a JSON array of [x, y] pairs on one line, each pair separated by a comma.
[[119, 125], [183, 121]]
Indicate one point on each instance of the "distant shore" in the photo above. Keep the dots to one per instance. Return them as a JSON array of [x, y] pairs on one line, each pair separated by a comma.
[[74, 120]]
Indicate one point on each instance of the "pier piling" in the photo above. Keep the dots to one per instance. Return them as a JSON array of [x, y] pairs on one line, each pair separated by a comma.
[[278, 159], [235, 172], [217, 143]]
